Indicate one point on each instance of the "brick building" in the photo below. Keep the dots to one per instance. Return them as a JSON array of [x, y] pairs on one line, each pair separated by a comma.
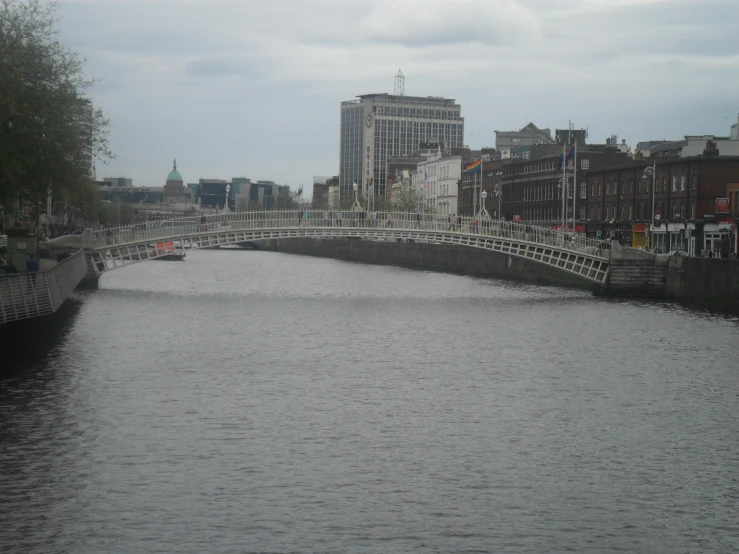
[[492, 172], [695, 203], [531, 187]]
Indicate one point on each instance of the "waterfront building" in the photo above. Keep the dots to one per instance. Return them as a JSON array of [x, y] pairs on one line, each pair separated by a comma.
[[531, 187], [470, 187], [377, 127], [510, 142], [174, 189], [436, 182], [696, 203], [117, 182], [321, 187]]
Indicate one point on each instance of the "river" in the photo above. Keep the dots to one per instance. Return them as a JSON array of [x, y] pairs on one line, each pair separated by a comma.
[[249, 401]]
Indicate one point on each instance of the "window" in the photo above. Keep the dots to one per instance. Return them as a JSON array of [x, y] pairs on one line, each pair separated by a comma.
[[600, 188], [674, 183], [664, 184], [582, 213], [637, 211], [631, 187], [631, 213], [608, 189], [584, 164], [570, 164], [692, 181], [682, 210], [592, 190], [622, 214], [682, 182], [640, 185], [674, 210], [692, 208], [583, 190]]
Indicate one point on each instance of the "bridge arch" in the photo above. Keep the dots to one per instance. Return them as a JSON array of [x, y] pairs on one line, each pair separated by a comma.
[[119, 247]]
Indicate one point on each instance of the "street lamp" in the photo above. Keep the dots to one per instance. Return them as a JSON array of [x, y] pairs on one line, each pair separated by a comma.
[[499, 194], [226, 208], [356, 207], [651, 171], [483, 213]]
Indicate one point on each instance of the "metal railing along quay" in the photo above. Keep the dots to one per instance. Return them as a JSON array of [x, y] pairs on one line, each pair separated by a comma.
[[27, 295], [279, 219]]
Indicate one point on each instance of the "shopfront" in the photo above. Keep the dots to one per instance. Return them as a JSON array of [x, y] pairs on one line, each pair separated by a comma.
[[672, 237], [639, 235], [696, 239]]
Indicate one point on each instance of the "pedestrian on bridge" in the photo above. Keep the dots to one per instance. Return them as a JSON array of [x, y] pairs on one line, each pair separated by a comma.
[[32, 267]]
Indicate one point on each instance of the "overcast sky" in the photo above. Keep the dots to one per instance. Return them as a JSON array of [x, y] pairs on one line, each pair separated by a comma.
[[252, 87]]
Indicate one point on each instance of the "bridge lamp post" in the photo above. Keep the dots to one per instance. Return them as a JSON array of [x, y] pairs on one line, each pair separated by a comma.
[[357, 206], [651, 171], [499, 194], [226, 209]]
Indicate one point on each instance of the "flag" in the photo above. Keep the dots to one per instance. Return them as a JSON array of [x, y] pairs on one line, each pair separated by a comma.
[[426, 183], [568, 156], [474, 167]]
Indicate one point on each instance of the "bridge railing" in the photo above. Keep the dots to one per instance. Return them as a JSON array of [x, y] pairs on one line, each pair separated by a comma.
[[26, 295], [282, 219]]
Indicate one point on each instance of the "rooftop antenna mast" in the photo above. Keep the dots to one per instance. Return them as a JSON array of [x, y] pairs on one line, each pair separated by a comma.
[[399, 83]]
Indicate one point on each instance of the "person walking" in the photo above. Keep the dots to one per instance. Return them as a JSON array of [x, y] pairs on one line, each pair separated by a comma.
[[32, 267]]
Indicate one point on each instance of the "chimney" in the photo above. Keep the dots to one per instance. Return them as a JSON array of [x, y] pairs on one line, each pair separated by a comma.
[[711, 149], [623, 141]]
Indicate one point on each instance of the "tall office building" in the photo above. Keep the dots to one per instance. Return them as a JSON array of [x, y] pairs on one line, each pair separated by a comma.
[[380, 126]]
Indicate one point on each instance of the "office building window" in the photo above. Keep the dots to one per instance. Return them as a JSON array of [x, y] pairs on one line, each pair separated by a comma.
[[584, 164], [584, 190], [664, 184], [674, 183], [692, 209], [631, 213], [682, 182], [693, 179]]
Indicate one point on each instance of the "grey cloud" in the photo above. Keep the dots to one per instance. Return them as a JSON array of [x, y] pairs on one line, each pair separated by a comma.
[[211, 68], [267, 77]]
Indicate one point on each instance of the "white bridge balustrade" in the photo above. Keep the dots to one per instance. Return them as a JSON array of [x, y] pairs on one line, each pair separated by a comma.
[[27, 295], [120, 246]]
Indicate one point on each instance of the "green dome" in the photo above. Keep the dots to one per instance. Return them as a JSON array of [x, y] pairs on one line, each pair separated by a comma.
[[174, 175]]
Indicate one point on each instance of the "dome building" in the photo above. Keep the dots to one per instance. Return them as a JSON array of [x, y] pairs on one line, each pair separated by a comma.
[[174, 188]]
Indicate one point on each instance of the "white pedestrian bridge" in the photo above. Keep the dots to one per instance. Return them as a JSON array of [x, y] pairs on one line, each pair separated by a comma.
[[102, 250], [121, 246]]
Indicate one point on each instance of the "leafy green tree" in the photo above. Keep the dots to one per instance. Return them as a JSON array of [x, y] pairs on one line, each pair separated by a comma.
[[49, 132]]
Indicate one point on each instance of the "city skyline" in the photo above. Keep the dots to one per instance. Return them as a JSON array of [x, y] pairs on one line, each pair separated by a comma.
[[254, 90]]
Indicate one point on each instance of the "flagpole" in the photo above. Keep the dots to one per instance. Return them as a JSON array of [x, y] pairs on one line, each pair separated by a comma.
[[474, 196], [574, 190], [564, 186]]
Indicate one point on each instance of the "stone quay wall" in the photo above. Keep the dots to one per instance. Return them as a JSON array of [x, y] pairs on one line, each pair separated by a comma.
[[435, 257], [634, 272], [704, 280]]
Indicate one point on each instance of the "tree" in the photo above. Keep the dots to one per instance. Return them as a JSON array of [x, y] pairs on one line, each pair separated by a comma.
[[49, 132]]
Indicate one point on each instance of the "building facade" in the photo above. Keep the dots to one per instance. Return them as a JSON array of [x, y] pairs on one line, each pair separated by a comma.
[[695, 204], [508, 141], [532, 188], [376, 127], [118, 182], [435, 182]]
